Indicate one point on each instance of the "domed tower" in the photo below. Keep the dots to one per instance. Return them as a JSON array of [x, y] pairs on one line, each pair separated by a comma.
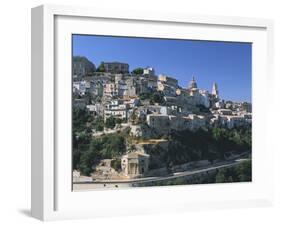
[[192, 84], [215, 90]]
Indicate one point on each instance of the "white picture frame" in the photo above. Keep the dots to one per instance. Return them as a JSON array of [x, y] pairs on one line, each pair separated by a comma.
[[52, 197]]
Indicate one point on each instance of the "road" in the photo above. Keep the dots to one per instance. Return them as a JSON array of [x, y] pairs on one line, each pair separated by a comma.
[[122, 127], [114, 184]]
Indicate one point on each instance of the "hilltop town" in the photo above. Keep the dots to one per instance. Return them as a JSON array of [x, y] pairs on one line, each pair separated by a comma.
[[142, 112]]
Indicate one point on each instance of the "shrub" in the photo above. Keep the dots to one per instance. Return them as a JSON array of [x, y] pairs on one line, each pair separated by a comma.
[[116, 164]]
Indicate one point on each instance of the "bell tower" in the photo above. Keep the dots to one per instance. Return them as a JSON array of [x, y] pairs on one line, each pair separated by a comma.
[[215, 90]]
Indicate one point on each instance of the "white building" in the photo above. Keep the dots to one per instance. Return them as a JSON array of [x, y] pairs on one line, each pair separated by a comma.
[[219, 104], [225, 111], [149, 71], [233, 121], [96, 109], [116, 109], [81, 87]]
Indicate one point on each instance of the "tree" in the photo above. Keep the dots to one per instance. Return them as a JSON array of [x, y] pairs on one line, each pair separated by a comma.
[[80, 117], [118, 120], [186, 145], [110, 122], [145, 96], [85, 165], [98, 124], [239, 173], [116, 164], [220, 177], [134, 117], [101, 67], [244, 171], [113, 146], [157, 97], [90, 156], [138, 71], [105, 147]]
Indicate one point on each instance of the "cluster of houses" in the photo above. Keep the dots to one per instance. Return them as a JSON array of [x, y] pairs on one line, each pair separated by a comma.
[[117, 92]]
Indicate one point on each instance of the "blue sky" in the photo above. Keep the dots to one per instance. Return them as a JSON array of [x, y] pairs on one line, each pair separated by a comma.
[[227, 63]]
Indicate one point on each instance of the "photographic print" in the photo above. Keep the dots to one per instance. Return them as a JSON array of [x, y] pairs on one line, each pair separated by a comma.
[[160, 112]]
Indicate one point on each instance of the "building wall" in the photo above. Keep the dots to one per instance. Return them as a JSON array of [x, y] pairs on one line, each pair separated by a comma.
[[168, 80], [116, 67]]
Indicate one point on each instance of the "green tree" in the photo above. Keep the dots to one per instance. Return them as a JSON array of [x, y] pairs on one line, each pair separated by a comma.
[[101, 67], [110, 122], [113, 146], [220, 177], [98, 124], [134, 117], [241, 172], [145, 96], [116, 164], [138, 71], [90, 156], [118, 120], [244, 171], [186, 145], [157, 97], [80, 118]]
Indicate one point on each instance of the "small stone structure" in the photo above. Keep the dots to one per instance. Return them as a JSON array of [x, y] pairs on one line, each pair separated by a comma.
[[135, 164]]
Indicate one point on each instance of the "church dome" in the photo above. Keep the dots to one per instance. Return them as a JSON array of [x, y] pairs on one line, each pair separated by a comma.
[[192, 84]]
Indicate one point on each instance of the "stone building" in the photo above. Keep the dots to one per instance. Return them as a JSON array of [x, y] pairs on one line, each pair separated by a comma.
[[200, 96], [167, 90], [96, 88], [121, 88], [116, 67], [232, 121], [131, 87], [110, 89], [142, 86], [163, 124], [152, 82], [135, 164], [168, 80]]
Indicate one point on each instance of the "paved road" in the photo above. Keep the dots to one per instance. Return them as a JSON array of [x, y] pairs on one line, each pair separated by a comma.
[[113, 184]]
